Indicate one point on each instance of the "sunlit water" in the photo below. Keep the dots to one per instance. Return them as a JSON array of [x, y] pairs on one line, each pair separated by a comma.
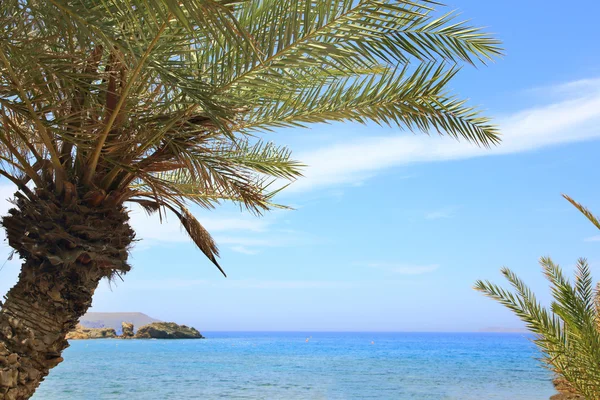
[[285, 366]]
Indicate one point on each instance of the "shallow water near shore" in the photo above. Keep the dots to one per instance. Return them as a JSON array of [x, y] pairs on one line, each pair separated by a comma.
[[235, 365]]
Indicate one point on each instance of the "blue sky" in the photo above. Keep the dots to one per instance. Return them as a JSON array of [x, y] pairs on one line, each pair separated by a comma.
[[390, 230]]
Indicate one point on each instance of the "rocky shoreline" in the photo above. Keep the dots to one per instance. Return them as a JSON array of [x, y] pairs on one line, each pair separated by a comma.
[[155, 330]]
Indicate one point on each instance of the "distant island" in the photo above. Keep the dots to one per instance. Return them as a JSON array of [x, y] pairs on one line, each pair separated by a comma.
[[122, 326]]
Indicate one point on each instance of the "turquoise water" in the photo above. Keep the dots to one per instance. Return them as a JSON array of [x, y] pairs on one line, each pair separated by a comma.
[[237, 365]]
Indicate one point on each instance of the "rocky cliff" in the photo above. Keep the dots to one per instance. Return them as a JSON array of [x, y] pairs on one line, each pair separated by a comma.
[[167, 330]]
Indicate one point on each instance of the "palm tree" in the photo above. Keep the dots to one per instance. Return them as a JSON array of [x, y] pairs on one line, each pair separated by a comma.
[[161, 103], [568, 334]]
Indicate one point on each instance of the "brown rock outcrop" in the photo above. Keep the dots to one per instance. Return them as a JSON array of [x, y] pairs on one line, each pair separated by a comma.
[[127, 328], [156, 330], [567, 396], [167, 330], [81, 332], [565, 390]]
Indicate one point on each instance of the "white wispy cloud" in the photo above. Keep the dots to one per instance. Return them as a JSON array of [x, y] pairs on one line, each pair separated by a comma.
[[571, 88], [151, 227], [176, 284], [154, 284], [404, 269], [227, 230], [276, 239], [243, 233], [244, 250], [592, 239], [275, 284], [575, 116], [440, 214]]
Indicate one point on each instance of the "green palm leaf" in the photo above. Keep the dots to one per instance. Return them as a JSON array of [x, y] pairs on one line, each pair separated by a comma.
[[163, 102], [568, 334]]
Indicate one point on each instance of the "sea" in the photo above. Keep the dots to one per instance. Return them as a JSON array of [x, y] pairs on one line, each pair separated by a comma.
[[304, 365]]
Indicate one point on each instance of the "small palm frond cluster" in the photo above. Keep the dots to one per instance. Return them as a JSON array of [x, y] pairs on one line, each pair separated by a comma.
[[568, 334], [160, 102]]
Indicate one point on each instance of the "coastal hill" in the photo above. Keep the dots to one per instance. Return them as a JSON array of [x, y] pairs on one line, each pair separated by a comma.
[[115, 319]]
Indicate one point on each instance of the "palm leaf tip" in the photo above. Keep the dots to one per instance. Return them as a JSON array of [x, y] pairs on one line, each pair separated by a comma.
[[586, 212]]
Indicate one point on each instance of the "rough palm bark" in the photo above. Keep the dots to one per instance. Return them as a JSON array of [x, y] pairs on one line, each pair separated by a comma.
[[68, 246]]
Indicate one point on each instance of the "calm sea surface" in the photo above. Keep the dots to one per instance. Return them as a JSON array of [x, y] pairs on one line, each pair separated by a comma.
[[285, 366]]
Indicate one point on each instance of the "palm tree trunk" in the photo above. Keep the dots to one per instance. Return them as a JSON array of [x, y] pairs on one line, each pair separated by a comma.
[[67, 249]]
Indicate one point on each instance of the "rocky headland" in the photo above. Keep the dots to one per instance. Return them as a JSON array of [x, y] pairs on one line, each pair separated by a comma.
[[167, 330], [155, 330]]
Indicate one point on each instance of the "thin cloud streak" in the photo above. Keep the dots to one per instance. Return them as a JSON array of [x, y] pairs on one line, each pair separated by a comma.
[[403, 269], [572, 88], [170, 232], [440, 214], [227, 230], [265, 241], [150, 227], [251, 284], [244, 250], [177, 284], [565, 121]]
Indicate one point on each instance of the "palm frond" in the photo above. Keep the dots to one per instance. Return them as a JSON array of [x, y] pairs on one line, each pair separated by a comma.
[[568, 335], [163, 101], [584, 285], [587, 213], [344, 35], [418, 101]]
